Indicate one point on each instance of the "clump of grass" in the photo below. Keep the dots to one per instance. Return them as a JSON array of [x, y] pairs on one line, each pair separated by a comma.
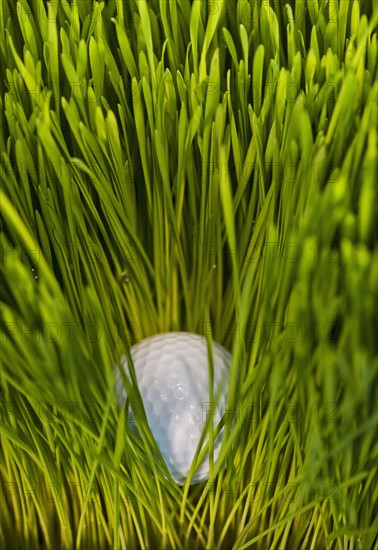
[[208, 167]]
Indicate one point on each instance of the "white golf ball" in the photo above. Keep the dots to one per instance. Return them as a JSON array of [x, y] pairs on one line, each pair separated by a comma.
[[173, 380]]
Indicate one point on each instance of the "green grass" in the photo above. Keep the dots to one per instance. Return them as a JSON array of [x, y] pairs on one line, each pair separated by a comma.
[[199, 166]]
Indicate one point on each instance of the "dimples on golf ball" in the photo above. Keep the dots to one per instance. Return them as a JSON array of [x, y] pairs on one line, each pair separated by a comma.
[[172, 375]]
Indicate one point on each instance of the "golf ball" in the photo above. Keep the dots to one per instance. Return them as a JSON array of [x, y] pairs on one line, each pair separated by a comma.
[[173, 380]]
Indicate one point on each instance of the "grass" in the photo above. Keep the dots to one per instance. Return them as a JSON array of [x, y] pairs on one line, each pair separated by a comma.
[[199, 166]]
